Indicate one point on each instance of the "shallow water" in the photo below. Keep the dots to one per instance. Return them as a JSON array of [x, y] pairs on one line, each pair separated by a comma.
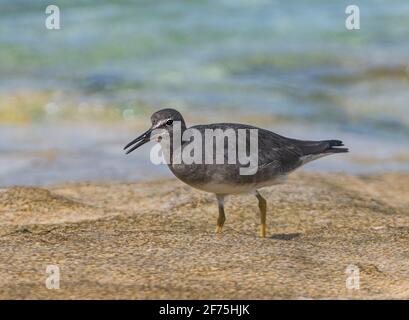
[[48, 154], [293, 62]]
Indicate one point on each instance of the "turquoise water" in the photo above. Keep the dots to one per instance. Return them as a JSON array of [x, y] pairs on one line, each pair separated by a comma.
[[279, 59]]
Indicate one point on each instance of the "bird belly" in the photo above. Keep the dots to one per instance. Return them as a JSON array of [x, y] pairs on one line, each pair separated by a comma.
[[222, 179], [237, 188]]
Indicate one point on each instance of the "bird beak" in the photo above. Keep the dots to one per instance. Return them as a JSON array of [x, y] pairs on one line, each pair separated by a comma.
[[141, 140]]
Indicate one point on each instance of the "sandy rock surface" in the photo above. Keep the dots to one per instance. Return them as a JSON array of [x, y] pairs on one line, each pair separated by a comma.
[[155, 240]]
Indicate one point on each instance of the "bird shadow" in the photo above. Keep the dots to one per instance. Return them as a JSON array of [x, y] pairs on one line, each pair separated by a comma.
[[285, 236]]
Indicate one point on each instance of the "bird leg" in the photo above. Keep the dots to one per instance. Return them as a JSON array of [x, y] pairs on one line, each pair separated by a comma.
[[222, 217], [262, 204]]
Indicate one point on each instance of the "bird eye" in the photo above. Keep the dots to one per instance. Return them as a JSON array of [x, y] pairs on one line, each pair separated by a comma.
[[169, 122]]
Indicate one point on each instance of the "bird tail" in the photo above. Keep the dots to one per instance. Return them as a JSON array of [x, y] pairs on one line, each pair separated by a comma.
[[332, 146], [313, 150]]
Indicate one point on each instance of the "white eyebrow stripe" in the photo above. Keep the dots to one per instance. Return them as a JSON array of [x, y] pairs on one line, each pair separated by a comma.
[[166, 120], [160, 123]]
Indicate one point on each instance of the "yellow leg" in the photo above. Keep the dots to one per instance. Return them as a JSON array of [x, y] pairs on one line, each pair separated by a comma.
[[262, 204], [222, 218]]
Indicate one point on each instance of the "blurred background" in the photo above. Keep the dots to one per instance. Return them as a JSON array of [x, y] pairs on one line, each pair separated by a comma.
[[70, 99]]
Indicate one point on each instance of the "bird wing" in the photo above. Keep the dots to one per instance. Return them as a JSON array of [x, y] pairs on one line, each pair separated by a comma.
[[278, 153]]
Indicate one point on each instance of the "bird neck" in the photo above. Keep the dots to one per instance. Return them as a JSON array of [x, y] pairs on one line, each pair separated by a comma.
[[173, 148]]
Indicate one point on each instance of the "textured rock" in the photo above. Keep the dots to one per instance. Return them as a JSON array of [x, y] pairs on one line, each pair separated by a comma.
[[155, 240]]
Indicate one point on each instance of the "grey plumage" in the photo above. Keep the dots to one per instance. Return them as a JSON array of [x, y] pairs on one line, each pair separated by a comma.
[[277, 156]]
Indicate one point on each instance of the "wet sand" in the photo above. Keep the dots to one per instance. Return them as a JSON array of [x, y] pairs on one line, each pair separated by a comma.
[[155, 240]]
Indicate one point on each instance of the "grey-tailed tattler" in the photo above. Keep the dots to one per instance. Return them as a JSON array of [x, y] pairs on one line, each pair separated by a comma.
[[273, 157]]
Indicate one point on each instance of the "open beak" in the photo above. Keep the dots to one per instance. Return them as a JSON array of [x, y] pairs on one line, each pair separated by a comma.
[[141, 140]]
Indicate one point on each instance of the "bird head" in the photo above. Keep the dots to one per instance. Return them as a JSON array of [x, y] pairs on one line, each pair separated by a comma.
[[164, 122]]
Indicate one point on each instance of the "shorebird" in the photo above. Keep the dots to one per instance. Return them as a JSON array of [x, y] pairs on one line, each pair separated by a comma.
[[277, 157]]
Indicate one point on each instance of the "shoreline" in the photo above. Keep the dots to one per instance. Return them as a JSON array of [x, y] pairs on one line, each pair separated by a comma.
[[92, 148], [155, 240]]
